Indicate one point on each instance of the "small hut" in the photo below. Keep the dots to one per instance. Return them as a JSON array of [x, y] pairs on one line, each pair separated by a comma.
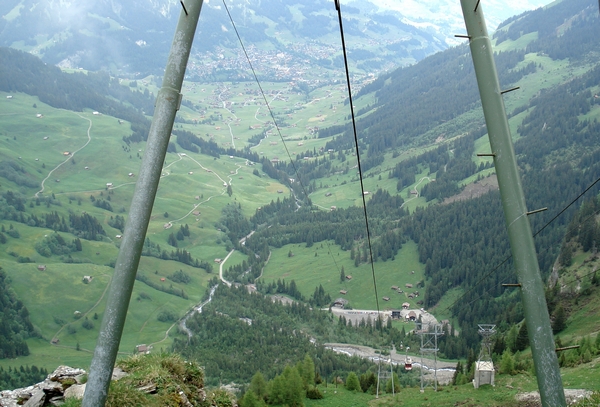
[[484, 373]]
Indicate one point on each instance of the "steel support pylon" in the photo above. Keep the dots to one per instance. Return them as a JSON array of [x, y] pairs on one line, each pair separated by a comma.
[[522, 246], [168, 101], [486, 331], [429, 334], [382, 374]]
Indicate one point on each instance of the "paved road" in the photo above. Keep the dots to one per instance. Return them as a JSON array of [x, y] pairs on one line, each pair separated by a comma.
[[356, 315], [445, 370]]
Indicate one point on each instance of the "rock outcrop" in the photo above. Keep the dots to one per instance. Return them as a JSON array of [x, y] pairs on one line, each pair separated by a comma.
[[152, 380], [64, 381]]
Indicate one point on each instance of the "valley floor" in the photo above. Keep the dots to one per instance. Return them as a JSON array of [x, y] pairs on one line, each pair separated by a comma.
[[444, 373]]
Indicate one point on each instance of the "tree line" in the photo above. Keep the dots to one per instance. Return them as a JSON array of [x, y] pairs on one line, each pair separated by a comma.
[[15, 325], [16, 378], [239, 334], [23, 72], [152, 249], [84, 226]]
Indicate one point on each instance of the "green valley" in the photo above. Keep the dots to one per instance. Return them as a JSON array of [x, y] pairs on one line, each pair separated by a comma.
[[261, 195]]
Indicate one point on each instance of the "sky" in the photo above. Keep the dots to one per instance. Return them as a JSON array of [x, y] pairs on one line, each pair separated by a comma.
[[498, 9], [445, 16]]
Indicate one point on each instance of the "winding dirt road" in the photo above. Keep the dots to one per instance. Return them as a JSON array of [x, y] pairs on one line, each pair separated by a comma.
[[68, 158]]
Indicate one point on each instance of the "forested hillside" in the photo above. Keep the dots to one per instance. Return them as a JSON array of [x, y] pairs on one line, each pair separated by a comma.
[[239, 333], [15, 326], [463, 243], [228, 195], [414, 100], [22, 72]]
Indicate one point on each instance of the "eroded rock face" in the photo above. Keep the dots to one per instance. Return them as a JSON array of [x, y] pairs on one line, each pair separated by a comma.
[[66, 382], [50, 392], [532, 399], [75, 391]]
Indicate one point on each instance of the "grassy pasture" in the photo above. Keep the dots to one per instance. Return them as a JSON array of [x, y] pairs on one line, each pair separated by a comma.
[[345, 189], [246, 107], [338, 396], [442, 309], [52, 297], [502, 395], [178, 188], [576, 277], [445, 396], [520, 43], [324, 268], [190, 182], [52, 307]]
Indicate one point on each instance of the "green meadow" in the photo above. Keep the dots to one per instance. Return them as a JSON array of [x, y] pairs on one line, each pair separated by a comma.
[[322, 263], [503, 394], [59, 301], [70, 157], [78, 158]]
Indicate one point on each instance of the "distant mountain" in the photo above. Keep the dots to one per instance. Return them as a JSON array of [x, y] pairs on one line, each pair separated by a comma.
[[420, 129], [445, 18], [135, 36]]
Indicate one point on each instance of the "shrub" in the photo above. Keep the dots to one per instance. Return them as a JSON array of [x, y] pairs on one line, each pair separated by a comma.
[[143, 296], [314, 393], [87, 324], [180, 277], [221, 398], [352, 382], [174, 379], [167, 316]]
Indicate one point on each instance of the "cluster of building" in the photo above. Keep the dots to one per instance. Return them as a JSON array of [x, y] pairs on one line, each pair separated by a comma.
[[275, 64]]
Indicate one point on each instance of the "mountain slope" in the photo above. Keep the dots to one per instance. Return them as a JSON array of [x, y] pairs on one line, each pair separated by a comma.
[[135, 36], [420, 129], [426, 125]]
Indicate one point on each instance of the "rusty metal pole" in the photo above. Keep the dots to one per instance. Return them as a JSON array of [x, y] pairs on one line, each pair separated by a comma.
[[167, 103], [522, 246]]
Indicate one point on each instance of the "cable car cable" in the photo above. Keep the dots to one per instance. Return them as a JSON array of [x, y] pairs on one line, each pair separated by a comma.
[[275, 122], [510, 256]]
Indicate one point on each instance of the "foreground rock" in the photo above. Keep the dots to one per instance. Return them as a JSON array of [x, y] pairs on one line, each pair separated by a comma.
[[532, 399], [50, 392], [143, 380]]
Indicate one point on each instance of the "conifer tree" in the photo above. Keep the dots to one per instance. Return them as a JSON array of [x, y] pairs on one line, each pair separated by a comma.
[[511, 338], [308, 372], [560, 319], [352, 382], [258, 386], [507, 363], [457, 372], [276, 390], [396, 384], [294, 393], [522, 338], [250, 400]]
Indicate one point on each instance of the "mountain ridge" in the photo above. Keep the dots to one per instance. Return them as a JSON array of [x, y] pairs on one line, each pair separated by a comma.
[[105, 34], [557, 154]]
